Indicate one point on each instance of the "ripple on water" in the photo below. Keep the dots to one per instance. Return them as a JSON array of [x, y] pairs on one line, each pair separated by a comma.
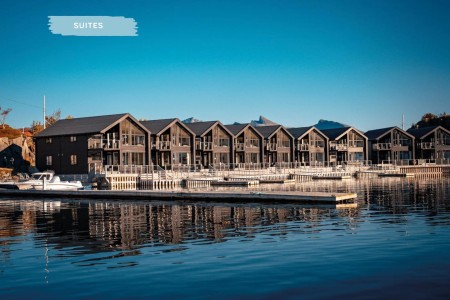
[[398, 234]]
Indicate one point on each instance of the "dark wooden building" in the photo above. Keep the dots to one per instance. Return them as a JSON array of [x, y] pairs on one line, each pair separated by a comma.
[[74, 146], [248, 143], [311, 145], [432, 142], [390, 145], [278, 144], [172, 142], [346, 144], [213, 143]]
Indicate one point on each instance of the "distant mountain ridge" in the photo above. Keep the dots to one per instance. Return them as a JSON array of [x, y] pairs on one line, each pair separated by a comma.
[[191, 120], [326, 124], [263, 121]]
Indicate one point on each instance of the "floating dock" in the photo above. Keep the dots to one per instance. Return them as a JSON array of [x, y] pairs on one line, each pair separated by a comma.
[[213, 196]]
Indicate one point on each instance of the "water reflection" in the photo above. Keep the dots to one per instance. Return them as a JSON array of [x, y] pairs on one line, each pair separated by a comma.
[[101, 226]]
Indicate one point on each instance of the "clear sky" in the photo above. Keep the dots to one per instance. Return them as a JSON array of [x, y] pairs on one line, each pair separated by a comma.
[[362, 63]]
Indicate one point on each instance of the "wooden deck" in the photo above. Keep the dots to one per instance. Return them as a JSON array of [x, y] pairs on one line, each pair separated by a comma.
[[213, 196]]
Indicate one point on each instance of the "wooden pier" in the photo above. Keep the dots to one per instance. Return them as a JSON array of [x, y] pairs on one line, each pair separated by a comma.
[[213, 196]]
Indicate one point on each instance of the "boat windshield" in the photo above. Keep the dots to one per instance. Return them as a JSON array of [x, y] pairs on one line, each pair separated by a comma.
[[40, 176]]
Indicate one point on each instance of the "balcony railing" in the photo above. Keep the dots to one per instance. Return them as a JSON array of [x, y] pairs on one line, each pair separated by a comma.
[[164, 145], [339, 147], [356, 144], [382, 146], [95, 144], [111, 144], [240, 147], [303, 147], [271, 147], [284, 144], [206, 145], [428, 145]]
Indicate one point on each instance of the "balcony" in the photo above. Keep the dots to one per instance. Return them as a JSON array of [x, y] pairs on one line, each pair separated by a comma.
[[382, 146], [426, 146], [95, 144], [271, 147], [206, 146], [109, 144], [339, 147], [303, 147], [240, 147], [164, 145], [284, 144]]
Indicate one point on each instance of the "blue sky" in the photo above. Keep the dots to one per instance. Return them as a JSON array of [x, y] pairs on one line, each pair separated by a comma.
[[363, 63]]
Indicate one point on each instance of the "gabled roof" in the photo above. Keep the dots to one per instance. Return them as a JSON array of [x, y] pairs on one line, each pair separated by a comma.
[[157, 127], [375, 134], [420, 133], [98, 124], [237, 129], [201, 128], [336, 133], [299, 132], [268, 131]]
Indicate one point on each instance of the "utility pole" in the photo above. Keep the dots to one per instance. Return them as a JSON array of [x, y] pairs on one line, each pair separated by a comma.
[[44, 111]]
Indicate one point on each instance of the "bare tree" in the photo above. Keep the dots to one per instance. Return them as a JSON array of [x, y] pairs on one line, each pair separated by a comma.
[[4, 113], [53, 118]]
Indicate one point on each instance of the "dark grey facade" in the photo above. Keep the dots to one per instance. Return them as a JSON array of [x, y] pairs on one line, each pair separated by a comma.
[[213, 143], [248, 144], [82, 145], [431, 143], [311, 146], [390, 145], [172, 143], [346, 145], [278, 144]]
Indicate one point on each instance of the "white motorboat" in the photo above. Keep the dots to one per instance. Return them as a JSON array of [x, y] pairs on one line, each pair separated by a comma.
[[55, 184], [48, 181], [35, 180]]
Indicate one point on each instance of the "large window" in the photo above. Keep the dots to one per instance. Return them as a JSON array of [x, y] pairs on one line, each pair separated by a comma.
[[283, 140], [133, 158], [48, 160], [222, 158], [182, 158], [132, 135]]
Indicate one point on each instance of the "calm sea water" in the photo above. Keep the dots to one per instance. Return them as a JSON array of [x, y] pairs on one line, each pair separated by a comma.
[[394, 245]]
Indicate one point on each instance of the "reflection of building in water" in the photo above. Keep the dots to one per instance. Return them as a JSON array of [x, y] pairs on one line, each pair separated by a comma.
[[126, 225], [96, 226]]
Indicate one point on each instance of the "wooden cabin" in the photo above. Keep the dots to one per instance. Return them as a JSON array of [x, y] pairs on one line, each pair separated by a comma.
[[432, 143], [82, 145], [213, 143], [311, 146], [346, 144], [278, 144], [172, 142], [390, 145], [248, 143]]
